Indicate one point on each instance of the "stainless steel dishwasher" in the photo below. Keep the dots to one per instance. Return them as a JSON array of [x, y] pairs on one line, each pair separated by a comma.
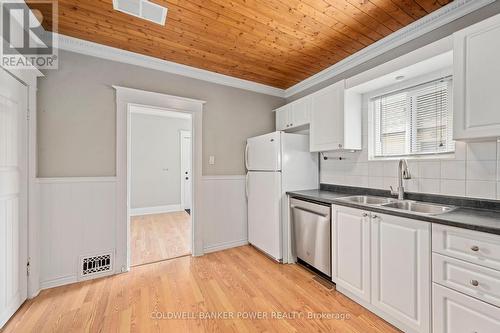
[[311, 234]]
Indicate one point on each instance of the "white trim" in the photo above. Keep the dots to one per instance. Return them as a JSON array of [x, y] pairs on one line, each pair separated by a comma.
[[225, 246], [183, 134], [224, 177], [151, 111], [125, 97], [111, 53], [58, 282], [152, 94], [66, 180], [432, 21], [155, 210]]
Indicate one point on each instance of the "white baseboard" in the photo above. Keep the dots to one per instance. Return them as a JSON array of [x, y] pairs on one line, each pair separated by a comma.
[[58, 282], [155, 210], [225, 246]]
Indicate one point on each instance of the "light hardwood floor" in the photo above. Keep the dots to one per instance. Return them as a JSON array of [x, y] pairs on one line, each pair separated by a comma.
[[233, 282], [159, 237]]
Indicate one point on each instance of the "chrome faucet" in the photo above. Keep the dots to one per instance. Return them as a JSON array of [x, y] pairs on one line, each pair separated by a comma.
[[403, 173]]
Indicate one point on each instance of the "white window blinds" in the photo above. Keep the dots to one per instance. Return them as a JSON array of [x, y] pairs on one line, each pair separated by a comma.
[[414, 121]]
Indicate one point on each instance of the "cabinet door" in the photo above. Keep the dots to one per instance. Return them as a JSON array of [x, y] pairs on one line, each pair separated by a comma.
[[300, 112], [454, 312], [282, 116], [476, 80], [351, 250], [327, 118], [401, 270]]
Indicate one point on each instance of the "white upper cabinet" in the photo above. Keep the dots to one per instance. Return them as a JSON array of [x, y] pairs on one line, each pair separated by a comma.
[[477, 80], [293, 115], [283, 118], [335, 119]]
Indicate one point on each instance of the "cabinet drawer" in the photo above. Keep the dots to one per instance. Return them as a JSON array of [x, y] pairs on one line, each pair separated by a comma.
[[472, 246], [454, 312], [470, 279]]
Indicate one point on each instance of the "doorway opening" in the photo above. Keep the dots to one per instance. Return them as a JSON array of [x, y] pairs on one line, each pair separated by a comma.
[[160, 192]]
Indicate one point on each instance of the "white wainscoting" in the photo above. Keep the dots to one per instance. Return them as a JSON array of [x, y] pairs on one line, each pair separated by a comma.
[[77, 217], [224, 212]]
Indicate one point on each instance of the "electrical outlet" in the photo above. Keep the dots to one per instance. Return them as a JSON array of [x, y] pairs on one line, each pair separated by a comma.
[[211, 160]]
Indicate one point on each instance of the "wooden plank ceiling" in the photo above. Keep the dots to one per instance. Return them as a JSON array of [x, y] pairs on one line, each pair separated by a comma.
[[274, 42]]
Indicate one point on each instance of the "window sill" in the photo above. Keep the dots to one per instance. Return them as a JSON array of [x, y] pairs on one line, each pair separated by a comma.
[[446, 156]]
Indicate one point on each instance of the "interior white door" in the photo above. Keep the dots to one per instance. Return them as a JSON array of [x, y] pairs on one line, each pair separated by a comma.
[[264, 218], [186, 163], [13, 195]]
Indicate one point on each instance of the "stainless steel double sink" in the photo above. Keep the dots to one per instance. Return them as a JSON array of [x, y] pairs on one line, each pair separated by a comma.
[[409, 206]]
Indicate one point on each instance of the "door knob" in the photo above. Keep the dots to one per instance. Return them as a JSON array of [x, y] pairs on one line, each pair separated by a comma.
[[475, 248]]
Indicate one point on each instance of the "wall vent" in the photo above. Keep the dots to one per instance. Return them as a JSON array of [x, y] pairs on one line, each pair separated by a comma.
[[94, 265], [143, 9]]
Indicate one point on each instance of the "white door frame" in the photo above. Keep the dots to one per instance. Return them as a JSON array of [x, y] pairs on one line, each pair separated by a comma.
[[184, 134], [129, 96]]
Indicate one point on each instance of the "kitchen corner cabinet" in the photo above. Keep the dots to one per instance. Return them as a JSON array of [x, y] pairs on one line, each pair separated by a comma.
[[293, 115], [351, 250], [335, 119], [476, 78]]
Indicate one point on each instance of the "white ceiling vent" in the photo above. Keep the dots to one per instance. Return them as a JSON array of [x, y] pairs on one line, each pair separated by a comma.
[[143, 9]]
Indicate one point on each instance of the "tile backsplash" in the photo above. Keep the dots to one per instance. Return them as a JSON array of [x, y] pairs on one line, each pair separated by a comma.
[[474, 171]]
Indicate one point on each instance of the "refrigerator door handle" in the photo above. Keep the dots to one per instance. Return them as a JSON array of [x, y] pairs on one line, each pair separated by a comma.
[[246, 156], [246, 185]]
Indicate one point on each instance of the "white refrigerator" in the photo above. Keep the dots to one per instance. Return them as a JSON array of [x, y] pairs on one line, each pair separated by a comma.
[[276, 162]]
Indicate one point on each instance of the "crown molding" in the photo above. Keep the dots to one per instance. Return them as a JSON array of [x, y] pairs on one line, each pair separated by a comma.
[[436, 19], [81, 46], [432, 21]]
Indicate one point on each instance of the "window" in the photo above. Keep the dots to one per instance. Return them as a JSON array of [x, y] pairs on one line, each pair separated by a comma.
[[414, 121]]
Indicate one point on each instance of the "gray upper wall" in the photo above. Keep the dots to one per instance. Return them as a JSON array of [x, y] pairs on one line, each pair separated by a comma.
[[76, 124], [444, 31]]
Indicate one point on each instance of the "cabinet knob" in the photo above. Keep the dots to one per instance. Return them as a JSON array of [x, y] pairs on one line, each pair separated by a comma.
[[474, 248], [291, 125], [375, 216], [475, 283], [340, 146], [365, 215]]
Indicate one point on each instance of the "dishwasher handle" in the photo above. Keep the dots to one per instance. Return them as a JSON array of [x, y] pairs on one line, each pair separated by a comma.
[[308, 211]]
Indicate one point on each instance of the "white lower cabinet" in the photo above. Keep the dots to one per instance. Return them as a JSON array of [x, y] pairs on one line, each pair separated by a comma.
[[384, 262], [351, 250], [455, 312], [401, 270]]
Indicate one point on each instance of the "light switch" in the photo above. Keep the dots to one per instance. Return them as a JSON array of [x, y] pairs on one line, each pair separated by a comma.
[[211, 160]]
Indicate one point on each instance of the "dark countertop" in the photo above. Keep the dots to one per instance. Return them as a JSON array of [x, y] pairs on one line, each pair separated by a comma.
[[463, 217]]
